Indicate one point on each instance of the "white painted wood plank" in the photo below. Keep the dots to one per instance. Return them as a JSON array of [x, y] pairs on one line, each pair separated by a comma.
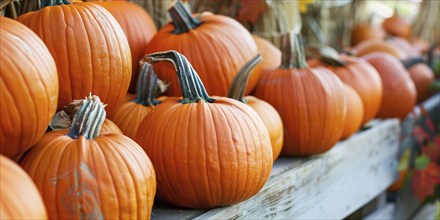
[[331, 185], [427, 212]]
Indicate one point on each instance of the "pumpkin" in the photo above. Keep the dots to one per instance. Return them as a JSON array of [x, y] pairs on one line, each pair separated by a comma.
[[397, 26], [365, 31], [370, 46], [217, 47], [359, 75], [207, 152], [404, 46], [28, 88], [129, 115], [423, 77], [82, 174], [355, 110], [399, 92], [267, 113], [137, 25], [19, 196], [270, 53], [310, 101], [90, 50]]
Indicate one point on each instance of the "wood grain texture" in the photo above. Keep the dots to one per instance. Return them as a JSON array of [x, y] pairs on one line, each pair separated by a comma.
[[331, 185]]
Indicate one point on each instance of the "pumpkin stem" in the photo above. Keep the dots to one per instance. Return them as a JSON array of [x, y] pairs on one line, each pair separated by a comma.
[[147, 86], [293, 55], [325, 54], [88, 119], [408, 63], [45, 3], [190, 84], [182, 19], [236, 91]]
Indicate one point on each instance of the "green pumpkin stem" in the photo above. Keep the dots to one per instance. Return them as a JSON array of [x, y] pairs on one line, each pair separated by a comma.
[[238, 86], [190, 84], [293, 55], [45, 3], [147, 86], [88, 119], [182, 19]]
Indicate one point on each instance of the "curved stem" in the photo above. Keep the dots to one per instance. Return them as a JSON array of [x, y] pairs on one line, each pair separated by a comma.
[[408, 63], [88, 119], [182, 19], [190, 84], [325, 54], [147, 86], [293, 55], [45, 3], [238, 86]]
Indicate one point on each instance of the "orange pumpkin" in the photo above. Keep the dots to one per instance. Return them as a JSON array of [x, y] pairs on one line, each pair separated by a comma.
[[28, 88], [423, 77], [217, 47], [129, 114], [90, 50], [362, 32], [137, 25], [370, 46], [399, 91], [270, 53], [82, 174], [359, 75], [397, 26], [310, 101], [355, 110], [207, 152], [267, 113], [19, 196]]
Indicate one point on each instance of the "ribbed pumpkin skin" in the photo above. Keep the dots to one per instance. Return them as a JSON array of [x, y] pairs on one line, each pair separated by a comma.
[[109, 126], [128, 116], [108, 177], [138, 26], [363, 78], [270, 53], [371, 46], [399, 91], [355, 112], [90, 49], [271, 120], [422, 77], [28, 88], [206, 155], [217, 49], [19, 196], [311, 104]]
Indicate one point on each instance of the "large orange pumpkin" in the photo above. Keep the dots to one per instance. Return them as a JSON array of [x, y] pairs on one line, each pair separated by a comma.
[[207, 152], [374, 45], [310, 101], [90, 50], [19, 196], [267, 113], [359, 75], [129, 114], [270, 53], [217, 47], [28, 88], [399, 91], [355, 110], [82, 174], [139, 28]]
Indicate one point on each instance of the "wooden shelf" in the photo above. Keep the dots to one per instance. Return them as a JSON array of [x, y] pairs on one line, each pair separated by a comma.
[[332, 185]]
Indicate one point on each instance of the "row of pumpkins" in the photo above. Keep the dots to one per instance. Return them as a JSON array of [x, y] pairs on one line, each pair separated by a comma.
[[206, 151]]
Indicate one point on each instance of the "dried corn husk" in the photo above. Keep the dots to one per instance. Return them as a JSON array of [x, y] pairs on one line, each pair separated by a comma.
[[8, 8], [427, 24]]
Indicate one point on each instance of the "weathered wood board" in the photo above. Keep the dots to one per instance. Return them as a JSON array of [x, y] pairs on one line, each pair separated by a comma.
[[331, 185]]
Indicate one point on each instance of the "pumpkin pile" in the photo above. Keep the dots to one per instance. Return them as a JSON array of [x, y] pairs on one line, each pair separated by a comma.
[[102, 112]]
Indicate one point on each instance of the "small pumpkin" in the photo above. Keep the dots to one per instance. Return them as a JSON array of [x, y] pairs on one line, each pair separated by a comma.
[[208, 152], [355, 110], [137, 25], [19, 196], [366, 31], [90, 50], [270, 53], [129, 114], [84, 174], [374, 45], [310, 101], [267, 113], [217, 47], [356, 73], [423, 77], [399, 91], [28, 88], [396, 25]]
